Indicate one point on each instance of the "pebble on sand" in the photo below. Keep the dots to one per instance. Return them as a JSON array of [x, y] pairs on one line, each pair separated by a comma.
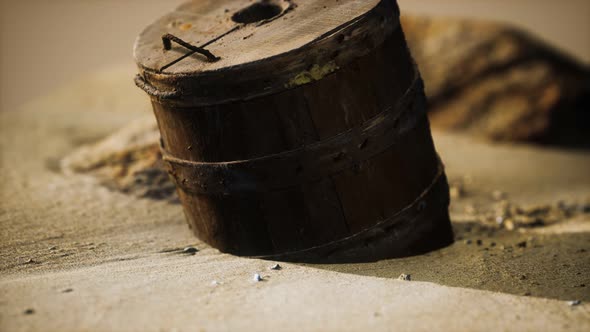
[[275, 267], [405, 277], [574, 303], [190, 250], [257, 277], [456, 191], [29, 311], [509, 225]]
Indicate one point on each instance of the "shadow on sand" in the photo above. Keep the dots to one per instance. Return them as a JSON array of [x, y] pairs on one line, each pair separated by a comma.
[[555, 266]]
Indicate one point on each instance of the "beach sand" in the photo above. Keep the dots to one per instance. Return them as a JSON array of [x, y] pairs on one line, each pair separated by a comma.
[[77, 256]]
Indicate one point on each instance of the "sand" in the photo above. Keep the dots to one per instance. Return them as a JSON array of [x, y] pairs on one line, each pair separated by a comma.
[[77, 256]]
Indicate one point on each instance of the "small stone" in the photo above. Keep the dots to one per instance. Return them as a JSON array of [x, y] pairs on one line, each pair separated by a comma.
[[257, 277], [29, 311], [499, 220], [215, 283], [478, 242], [522, 277], [456, 192], [467, 241], [67, 290], [405, 277], [527, 294], [52, 248], [521, 244], [509, 224], [190, 250], [275, 267], [493, 244], [574, 303], [30, 261]]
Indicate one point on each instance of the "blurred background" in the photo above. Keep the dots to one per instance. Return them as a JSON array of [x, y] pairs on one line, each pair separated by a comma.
[[45, 44]]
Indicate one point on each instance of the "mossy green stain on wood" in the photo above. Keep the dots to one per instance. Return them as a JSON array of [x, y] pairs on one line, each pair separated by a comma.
[[315, 73]]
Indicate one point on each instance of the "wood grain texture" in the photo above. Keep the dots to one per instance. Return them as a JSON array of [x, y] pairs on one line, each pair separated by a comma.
[[281, 52], [200, 21], [272, 167]]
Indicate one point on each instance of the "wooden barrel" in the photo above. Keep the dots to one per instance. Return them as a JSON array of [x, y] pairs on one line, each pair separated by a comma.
[[296, 130]]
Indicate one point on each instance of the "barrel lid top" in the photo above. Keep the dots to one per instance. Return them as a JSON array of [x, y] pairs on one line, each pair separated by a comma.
[[239, 32]]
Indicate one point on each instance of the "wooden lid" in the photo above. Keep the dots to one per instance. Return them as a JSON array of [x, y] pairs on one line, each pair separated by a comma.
[[249, 48]]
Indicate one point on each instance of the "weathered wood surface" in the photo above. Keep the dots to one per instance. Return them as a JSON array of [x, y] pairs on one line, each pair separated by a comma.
[[260, 58], [128, 161], [314, 147]]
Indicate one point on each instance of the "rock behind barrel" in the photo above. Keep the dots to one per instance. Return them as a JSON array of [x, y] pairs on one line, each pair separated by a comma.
[[500, 83]]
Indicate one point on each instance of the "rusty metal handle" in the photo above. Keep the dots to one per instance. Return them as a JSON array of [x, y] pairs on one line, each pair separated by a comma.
[[153, 91], [167, 39]]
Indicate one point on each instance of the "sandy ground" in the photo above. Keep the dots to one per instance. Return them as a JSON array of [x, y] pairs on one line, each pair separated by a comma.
[[76, 256]]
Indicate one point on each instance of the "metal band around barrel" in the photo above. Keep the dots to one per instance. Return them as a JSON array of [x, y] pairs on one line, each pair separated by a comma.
[[306, 164], [373, 240]]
